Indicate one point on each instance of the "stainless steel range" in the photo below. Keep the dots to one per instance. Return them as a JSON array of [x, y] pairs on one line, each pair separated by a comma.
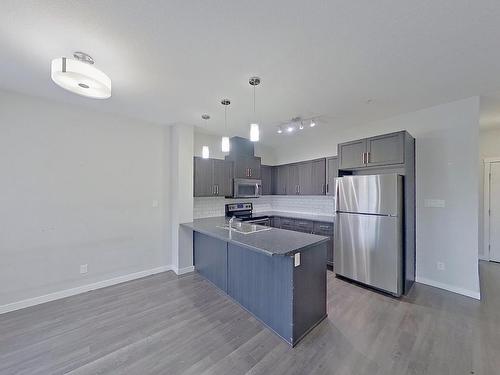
[[244, 212]]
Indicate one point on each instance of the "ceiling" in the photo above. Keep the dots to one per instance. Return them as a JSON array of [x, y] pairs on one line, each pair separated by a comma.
[[171, 61]]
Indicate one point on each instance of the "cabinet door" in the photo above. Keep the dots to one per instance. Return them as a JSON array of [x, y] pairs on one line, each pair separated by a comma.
[[326, 229], [386, 149], [240, 168], [304, 172], [304, 226], [351, 154], [223, 177], [281, 180], [292, 185], [318, 177], [203, 177], [254, 168], [332, 171], [286, 223], [266, 175]]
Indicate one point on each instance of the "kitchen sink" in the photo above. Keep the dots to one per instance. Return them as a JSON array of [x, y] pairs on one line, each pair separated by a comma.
[[245, 228]]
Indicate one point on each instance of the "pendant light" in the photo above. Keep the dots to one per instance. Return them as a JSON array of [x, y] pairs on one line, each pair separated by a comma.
[[254, 127], [225, 139], [80, 76], [205, 152]]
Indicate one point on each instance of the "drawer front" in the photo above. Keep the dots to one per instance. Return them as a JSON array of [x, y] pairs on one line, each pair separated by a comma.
[[305, 226], [287, 223], [322, 228]]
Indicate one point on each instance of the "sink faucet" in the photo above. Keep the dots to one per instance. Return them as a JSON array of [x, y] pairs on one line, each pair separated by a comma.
[[231, 223]]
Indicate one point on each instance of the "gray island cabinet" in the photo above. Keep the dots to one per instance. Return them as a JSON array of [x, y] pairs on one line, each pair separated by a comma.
[[277, 275]]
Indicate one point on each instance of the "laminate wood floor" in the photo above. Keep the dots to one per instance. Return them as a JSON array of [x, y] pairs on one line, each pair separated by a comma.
[[164, 324]]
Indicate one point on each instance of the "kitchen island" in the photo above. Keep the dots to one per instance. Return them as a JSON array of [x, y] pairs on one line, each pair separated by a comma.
[[277, 275]]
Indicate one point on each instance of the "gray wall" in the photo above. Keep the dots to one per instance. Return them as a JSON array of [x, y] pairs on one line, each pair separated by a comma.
[[76, 187]]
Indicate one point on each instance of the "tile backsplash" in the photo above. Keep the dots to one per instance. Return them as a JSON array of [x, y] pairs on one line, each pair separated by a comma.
[[214, 206]]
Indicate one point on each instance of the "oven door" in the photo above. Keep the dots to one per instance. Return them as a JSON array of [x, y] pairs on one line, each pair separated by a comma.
[[245, 188]]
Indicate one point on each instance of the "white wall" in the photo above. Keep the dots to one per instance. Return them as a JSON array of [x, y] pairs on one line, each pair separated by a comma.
[[214, 143], [489, 147], [447, 158], [76, 187]]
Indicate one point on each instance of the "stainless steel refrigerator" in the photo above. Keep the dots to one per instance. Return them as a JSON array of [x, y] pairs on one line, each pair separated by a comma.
[[369, 231]]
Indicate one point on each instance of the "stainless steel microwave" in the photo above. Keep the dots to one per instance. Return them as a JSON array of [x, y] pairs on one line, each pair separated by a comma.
[[246, 188]]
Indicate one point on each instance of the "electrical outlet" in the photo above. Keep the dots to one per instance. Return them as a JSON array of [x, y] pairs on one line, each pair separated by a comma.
[[440, 266], [296, 259], [83, 268], [155, 204]]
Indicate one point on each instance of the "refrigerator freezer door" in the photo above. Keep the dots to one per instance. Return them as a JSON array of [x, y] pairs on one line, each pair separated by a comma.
[[368, 249], [374, 194]]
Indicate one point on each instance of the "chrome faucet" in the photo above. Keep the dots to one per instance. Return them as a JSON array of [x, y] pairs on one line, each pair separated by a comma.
[[231, 223]]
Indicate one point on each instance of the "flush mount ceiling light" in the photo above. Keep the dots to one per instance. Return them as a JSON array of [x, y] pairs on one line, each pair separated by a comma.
[[313, 124], [254, 128], [80, 76], [225, 139]]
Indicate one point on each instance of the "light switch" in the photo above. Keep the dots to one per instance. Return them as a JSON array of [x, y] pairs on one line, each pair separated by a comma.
[[296, 260], [435, 203], [155, 204]]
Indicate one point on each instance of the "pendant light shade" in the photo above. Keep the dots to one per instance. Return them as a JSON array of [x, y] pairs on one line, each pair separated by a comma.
[[205, 153], [254, 132], [80, 76], [225, 144]]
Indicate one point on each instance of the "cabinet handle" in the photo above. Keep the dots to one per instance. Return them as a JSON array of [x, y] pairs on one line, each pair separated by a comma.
[[326, 188], [368, 154], [324, 227], [250, 171], [217, 189]]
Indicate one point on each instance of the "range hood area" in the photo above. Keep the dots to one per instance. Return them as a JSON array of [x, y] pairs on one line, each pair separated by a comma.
[[245, 168]]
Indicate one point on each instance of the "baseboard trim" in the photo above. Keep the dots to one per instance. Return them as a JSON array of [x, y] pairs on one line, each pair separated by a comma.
[[484, 257], [182, 271], [80, 289], [448, 287]]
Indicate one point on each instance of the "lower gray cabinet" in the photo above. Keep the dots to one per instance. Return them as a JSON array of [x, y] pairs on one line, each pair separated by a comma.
[[305, 226], [326, 229], [287, 223]]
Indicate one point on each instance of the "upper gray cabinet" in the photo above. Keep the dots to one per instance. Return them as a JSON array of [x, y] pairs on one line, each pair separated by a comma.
[[247, 167], [332, 172], [212, 177], [266, 175], [203, 177], [280, 179], [318, 177], [387, 149], [223, 177]]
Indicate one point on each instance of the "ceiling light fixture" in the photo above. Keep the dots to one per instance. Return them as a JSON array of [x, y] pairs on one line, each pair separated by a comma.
[[79, 76], [289, 129], [225, 139], [280, 130], [254, 127], [313, 124], [205, 152], [301, 126]]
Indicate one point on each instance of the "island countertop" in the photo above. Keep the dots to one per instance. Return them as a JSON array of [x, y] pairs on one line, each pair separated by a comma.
[[271, 242]]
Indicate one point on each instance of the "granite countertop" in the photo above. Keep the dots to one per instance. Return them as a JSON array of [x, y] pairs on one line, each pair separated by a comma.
[[270, 242], [297, 215]]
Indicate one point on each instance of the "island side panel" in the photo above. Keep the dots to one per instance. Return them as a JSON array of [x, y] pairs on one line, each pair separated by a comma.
[[309, 291], [263, 285], [210, 259]]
